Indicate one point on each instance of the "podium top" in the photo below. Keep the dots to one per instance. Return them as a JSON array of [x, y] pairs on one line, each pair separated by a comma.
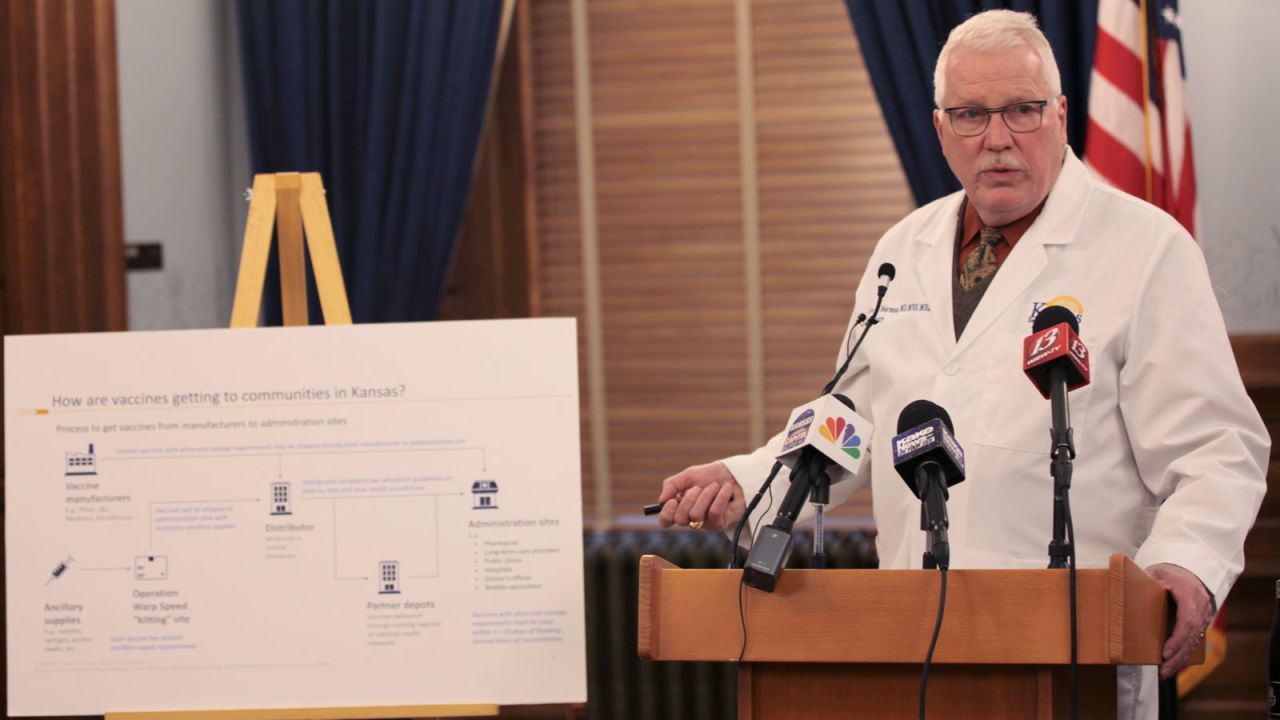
[[887, 616]]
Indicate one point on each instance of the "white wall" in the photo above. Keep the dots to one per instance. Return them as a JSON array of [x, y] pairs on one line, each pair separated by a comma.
[[1234, 97], [185, 163]]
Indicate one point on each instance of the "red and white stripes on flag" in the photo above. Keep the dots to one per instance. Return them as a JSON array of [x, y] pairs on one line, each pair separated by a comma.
[[1139, 135], [1139, 140]]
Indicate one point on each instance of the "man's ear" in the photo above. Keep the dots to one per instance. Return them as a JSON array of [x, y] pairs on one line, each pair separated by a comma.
[[937, 123], [1062, 117]]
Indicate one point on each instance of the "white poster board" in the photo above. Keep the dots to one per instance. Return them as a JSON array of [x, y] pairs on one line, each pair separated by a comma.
[[294, 517]]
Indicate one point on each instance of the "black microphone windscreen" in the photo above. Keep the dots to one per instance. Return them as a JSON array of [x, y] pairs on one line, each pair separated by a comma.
[[920, 412], [886, 270], [1055, 315]]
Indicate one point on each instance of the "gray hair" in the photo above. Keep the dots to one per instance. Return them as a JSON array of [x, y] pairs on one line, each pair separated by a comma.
[[997, 31]]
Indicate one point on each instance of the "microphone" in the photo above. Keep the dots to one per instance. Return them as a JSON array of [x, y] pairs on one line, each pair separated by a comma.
[[1054, 344], [830, 426], [822, 433], [927, 456], [1057, 362], [886, 274]]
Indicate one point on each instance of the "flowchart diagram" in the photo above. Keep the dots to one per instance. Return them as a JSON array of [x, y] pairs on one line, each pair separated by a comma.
[[319, 498], [322, 552]]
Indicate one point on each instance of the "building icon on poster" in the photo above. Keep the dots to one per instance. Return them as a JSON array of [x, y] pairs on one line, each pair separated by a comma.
[[82, 463], [389, 577], [280, 503], [484, 495]]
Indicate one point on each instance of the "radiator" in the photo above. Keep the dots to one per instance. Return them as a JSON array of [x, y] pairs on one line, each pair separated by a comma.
[[620, 685]]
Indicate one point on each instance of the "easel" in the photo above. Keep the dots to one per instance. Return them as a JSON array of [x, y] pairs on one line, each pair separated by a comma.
[[290, 202]]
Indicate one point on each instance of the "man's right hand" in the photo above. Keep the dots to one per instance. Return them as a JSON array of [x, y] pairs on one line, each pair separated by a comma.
[[706, 493]]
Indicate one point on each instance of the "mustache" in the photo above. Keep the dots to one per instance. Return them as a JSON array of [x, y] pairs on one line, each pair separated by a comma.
[[1001, 162]]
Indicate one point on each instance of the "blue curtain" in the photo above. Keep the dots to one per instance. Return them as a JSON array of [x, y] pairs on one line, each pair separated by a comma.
[[900, 42], [385, 100]]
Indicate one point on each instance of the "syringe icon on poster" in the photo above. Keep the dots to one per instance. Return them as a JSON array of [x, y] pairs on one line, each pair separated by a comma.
[[59, 569]]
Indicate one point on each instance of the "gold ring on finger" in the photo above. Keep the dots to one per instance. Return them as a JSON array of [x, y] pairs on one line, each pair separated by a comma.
[[695, 524]]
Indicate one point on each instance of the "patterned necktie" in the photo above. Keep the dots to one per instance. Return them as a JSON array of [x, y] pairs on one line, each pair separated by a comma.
[[981, 263]]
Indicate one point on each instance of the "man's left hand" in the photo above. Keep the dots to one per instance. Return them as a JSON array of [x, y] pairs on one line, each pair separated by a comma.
[[1195, 613]]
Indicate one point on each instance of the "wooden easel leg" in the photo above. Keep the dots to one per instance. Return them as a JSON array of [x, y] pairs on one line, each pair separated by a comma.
[[324, 252], [293, 267], [254, 253]]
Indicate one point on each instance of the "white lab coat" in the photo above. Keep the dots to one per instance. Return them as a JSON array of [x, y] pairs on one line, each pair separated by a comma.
[[1171, 452]]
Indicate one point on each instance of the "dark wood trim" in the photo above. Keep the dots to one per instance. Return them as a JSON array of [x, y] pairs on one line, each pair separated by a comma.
[[528, 192], [108, 178], [61, 217], [1259, 359], [493, 273]]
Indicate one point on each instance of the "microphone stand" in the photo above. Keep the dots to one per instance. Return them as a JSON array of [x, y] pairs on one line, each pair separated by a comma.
[[819, 497], [1061, 454], [933, 518], [1061, 548]]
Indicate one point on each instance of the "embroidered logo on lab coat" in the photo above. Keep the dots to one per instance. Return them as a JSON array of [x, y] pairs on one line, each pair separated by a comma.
[[1066, 301]]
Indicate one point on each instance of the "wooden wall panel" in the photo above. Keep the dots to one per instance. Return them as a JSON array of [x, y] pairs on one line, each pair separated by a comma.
[[60, 194], [664, 92], [831, 184], [669, 196], [559, 263]]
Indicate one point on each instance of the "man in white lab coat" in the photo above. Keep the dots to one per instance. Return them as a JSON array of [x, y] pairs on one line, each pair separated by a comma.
[[1171, 452]]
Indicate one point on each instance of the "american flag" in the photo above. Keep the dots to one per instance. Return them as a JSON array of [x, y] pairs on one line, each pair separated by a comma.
[[1139, 135], [1139, 140]]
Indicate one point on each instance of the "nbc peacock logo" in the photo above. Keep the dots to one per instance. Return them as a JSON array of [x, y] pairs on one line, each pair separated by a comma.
[[840, 433]]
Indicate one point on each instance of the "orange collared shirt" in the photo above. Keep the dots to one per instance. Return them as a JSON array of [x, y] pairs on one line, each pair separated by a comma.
[[972, 226]]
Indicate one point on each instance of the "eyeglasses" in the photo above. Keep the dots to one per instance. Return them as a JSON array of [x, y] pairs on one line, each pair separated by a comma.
[[1023, 117]]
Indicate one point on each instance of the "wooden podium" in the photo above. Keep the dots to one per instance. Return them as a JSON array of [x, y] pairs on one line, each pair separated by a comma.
[[835, 644]]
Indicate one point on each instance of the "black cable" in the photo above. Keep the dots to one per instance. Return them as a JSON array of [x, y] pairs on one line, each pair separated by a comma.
[[937, 626], [1071, 574], [742, 614], [742, 580], [746, 514], [755, 529], [875, 313], [862, 317]]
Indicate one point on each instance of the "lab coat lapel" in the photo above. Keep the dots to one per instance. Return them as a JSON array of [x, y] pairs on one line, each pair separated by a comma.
[[933, 270]]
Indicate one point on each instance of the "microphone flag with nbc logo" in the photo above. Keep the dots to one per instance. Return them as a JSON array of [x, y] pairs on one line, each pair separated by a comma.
[[830, 426]]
